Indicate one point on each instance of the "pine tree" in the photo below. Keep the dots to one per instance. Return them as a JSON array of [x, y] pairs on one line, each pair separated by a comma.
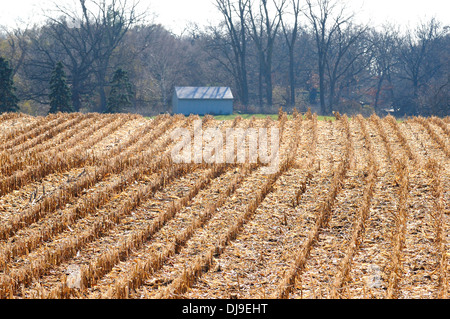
[[8, 99], [60, 96], [121, 95]]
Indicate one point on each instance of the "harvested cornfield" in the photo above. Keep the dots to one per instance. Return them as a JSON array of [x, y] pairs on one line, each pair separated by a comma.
[[93, 206]]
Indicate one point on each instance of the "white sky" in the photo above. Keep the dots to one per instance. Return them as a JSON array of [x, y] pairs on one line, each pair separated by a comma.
[[176, 14]]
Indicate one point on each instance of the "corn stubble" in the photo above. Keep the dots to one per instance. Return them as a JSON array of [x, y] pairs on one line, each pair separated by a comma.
[[118, 162]]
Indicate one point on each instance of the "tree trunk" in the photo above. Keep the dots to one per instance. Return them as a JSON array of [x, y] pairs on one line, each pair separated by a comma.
[[331, 98], [323, 108], [260, 82], [291, 77], [269, 82]]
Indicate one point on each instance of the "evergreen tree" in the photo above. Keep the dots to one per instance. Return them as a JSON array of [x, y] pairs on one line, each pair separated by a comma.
[[121, 95], [60, 96], [8, 99]]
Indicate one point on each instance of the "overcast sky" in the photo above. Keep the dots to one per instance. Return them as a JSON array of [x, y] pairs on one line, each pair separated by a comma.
[[176, 14]]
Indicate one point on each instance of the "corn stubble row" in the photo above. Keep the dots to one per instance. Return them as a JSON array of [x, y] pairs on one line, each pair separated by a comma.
[[9, 133], [441, 123], [399, 164], [311, 148], [431, 131], [41, 133], [398, 238], [401, 169], [60, 143], [10, 116], [72, 156], [363, 214], [403, 140], [63, 141], [434, 170]]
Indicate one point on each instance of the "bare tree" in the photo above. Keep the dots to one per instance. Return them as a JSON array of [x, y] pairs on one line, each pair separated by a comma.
[[235, 16], [106, 28], [17, 47], [418, 63], [290, 33], [166, 59], [89, 35], [326, 19], [264, 27], [384, 60], [346, 59]]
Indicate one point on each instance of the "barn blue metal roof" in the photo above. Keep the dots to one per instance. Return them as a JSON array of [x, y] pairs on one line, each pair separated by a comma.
[[204, 93]]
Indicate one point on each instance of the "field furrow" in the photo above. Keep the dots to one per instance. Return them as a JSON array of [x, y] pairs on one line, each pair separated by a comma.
[[367, 278]]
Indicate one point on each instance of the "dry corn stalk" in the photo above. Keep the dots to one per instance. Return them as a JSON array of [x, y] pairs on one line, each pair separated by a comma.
[[377, 121], [400, 231], [439, 122], [403, 140], [435, 171], [308, 114]]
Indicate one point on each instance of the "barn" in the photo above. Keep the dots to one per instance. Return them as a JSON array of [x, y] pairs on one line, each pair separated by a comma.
[[202, 100]]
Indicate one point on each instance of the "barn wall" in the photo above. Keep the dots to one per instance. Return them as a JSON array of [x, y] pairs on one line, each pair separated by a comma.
[[175, 103], [203, 107]]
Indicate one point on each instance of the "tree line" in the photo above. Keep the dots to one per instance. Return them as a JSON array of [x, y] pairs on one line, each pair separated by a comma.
[[272, 53]]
